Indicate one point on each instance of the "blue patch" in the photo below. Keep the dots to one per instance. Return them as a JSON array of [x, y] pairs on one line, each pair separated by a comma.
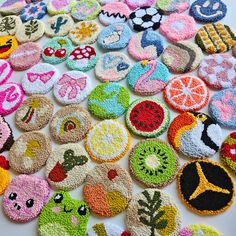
[[122, 66]]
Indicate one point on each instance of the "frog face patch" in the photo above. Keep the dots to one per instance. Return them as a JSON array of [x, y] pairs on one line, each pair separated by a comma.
[[63, 215], [7, 45]]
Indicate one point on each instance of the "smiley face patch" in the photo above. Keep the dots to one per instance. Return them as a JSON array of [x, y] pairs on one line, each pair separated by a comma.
[[7, 45]]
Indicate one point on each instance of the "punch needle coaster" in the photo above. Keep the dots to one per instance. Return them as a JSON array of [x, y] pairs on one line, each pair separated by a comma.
[[7, 45], [5, 71], [147, 117], [133, 4], [8, 7], [56, 7], [153, 163], [107, 141], [153, 204], [172, 6], [200, 181], [4, 174], [13, 21], [107, 189], [195, 135]]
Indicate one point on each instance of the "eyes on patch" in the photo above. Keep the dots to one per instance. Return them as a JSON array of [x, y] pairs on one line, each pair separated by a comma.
[[12, 196], [58, 198], [82, 211]]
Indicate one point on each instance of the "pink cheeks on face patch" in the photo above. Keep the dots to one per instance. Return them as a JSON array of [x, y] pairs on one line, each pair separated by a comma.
[[56, 210], [74, 220]]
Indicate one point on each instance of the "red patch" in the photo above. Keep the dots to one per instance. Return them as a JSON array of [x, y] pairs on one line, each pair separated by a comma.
[[233, 135], [57, 174], [125, 233], [112, 174], [4, 163]]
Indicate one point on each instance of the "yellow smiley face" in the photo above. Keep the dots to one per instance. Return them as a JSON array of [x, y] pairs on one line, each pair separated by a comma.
[[7, 45]]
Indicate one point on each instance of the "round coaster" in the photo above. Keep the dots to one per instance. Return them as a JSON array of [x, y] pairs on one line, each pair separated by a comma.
[[182, 57], [34, 10], [84, 32], [59, 25], [4, 174], [115, 36], [195, 135], [7, 45], [108, 101], [215, 38], [107, 141], [234, 50], [34, 113], [107, 189], [9, 25], [85, 10], [72, 87], [70, 124], [40, 79], [133, 4], [8, 7], [6, 138], [147, 78], [153, 212], [63, 215], [112, 66], [172, 6], [147, 117], [30, 31], [153, 163], [25, 56], [30, 152], [186, 93], [200, 181], [208, 11], [82, 58], [178, 27], [222, 107], [25, 197], [228, 151], [60, 7], [145, 18], [5, 71], [218, 71], [146, 45], [67, 166], [11, 96], [115, 12], [56, 50]]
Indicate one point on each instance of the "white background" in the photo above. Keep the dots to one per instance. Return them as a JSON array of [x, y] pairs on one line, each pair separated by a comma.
[[225, 222]]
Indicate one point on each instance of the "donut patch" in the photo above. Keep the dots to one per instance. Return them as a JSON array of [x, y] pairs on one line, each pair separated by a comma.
[[4, 174], [133, 4], [107, 189], [67, 166], [7, 45], [34, 113], [107, 141], [108, 100], [56, 7], [70, 124], [72, 87], [200, 181], [148, 77], [9, 25], [8, 7], [195, 135], [147, 117], [5, 71], [172, 6]]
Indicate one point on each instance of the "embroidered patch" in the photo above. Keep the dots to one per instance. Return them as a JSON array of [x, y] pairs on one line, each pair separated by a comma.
[[178, 27], [153, 163], [63, 215], [40, 79], [70, 124], [208, 11], [146, 45], [115, 36], [107, 189], [115, 12], [108, 100], [218, 71], [147, 117], [5, 71], [56, 50], [195, 135], [186, 93], [59, 25], [222, 108], [200, 181], [82, 58], [215, 38], [30, 152], [8, 7], [7, 45], [67, 166], [72, 87], [153, 212], [55, 7], [25, 197], [11, 96], [9, 25], [172, 6], [85, 10], [4, 174], [133, 4], [112, 66], [145, 18], [25, 56], [148, 78], [34, 113], [107, 141], [182, 57], [84, 32]]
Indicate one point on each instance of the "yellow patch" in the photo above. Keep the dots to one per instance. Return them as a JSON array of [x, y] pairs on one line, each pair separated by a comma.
[[5, 179], [31, 146], [7, 45]]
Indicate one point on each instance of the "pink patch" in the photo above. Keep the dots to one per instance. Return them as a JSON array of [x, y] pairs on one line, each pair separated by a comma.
[[5, 71], [56, 209], [74, 220], [182, 7], [133, 4]]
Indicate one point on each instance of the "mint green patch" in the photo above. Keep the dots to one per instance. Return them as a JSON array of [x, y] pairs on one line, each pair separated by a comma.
[[202, 229]]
